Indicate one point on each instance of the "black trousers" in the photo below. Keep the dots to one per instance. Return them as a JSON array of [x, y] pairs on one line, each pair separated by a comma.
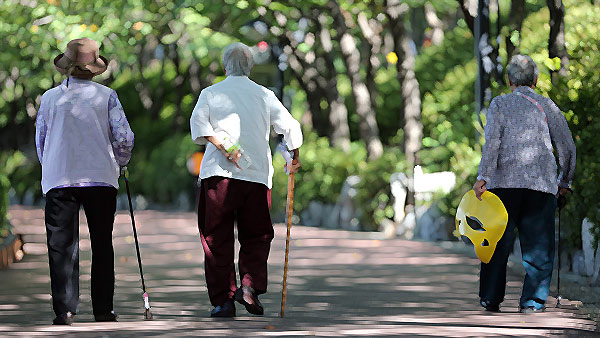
[[532, 214], [62, 231]]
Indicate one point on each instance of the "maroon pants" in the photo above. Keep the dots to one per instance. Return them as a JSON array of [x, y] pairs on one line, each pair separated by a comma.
[[223, 201]]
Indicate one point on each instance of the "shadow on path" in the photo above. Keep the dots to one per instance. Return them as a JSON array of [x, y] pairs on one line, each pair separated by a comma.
[[340, 284]]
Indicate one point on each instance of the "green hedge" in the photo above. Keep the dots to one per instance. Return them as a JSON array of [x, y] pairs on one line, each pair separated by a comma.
[[324, 170], [577, 96]]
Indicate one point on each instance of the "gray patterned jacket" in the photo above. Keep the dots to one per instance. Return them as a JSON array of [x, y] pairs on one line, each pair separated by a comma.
[[520, 129]]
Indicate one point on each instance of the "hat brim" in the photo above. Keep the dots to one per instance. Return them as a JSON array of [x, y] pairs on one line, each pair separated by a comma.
[[62, 63]]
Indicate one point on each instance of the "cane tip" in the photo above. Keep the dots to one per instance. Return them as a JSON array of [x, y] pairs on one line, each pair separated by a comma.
[[148, 315]]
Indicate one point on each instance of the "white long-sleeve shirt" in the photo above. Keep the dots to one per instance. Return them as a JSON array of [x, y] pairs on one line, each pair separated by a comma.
[[246, 111], [82, 136]]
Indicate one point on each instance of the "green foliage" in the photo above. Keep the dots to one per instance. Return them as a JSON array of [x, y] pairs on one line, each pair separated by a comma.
[[374, 193], [435, 62], [577, 96], [9, 163], [156, 45], [452, 134], [323, 172], [161, 174]]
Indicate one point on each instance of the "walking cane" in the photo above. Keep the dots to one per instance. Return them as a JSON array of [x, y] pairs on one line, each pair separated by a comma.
[[147, 313], [289, 210], [561, 202], [558, 297]]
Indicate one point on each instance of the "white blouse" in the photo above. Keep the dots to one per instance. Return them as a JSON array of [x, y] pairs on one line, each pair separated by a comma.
[[245, 110]]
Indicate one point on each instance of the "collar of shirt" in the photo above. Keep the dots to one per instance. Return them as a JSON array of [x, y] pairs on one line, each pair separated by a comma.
[[235, 77], [524, 89], [74, 80]]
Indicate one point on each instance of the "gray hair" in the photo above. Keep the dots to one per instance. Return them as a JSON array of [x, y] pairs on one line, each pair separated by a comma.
[[237, 59], [522, 71]]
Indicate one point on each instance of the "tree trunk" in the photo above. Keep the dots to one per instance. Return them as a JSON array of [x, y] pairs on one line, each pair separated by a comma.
[[371, 31], [338, 113], [515, 22], [411, 97], [418, 25], [466, 9], [556, 41], [369, 131], [305, 75], [437, 26]]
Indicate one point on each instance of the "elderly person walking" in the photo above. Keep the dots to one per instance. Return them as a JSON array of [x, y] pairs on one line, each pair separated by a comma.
[[82, 137], [518, 165], [231, 114]]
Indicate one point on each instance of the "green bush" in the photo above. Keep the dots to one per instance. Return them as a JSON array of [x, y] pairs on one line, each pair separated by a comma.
[[577, 96], [374, 191], [9, 163], [324, 170], [160, 173], [453, 138]]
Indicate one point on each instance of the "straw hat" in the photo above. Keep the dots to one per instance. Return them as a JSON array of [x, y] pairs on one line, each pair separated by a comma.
[[82, 57]]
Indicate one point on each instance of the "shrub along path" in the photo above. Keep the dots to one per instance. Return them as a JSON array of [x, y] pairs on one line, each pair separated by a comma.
[[340, 284]]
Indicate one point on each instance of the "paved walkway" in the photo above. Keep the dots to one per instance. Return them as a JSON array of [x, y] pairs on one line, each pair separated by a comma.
[[340, 284]]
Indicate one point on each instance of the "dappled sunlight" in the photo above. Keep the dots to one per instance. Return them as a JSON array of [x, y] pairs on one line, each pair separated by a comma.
[[340, 283]]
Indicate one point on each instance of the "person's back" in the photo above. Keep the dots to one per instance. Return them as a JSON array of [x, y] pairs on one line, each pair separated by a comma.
[[525, 157], [238, 107], [245, 111], [77, 145]]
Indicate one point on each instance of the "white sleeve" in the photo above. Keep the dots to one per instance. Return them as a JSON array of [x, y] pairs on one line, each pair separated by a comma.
[[283, 122], [200, 121]]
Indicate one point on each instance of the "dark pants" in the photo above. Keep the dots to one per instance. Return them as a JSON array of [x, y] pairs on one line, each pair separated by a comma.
[[221, 202], [532, 213], [62, 231]]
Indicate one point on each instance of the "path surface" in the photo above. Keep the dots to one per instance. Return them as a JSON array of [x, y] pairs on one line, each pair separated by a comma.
[[340, 284]]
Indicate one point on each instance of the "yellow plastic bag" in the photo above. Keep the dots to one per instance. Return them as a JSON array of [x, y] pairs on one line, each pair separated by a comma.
[[483, 222]]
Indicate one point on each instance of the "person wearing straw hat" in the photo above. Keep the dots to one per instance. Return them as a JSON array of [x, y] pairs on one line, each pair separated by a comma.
[[234, 117], [82, 138], [519, 166]]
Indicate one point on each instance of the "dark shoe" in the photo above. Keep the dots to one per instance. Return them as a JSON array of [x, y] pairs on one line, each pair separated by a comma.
[[246, 296], [226, 310], [489, 306], [531, 309], [106, 317], [64, 319]]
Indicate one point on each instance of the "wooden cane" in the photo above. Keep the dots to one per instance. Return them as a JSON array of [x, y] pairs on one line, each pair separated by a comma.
[[289, 212]]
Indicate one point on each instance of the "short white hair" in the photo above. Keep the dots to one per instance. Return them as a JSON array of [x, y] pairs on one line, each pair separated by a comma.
[[237, 59], [522, 70]]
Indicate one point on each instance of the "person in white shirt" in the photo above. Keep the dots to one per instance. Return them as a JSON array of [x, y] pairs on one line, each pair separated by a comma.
[[233, 118]]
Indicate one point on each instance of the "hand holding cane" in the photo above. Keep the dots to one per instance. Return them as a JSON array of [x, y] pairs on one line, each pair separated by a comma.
[[147, 313], [289, 212]]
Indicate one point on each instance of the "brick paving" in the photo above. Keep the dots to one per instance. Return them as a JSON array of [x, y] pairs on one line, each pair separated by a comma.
[[341, 283]]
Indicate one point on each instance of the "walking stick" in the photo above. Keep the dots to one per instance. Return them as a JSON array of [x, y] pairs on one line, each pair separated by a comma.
[[561, 202], [289, 211], [147, 313], [558, 297]]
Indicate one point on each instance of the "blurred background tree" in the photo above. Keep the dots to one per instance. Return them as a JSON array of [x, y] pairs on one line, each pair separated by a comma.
[[379, 86]]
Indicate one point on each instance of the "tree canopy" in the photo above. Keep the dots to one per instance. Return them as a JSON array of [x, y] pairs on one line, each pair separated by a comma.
[[379, 86]]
